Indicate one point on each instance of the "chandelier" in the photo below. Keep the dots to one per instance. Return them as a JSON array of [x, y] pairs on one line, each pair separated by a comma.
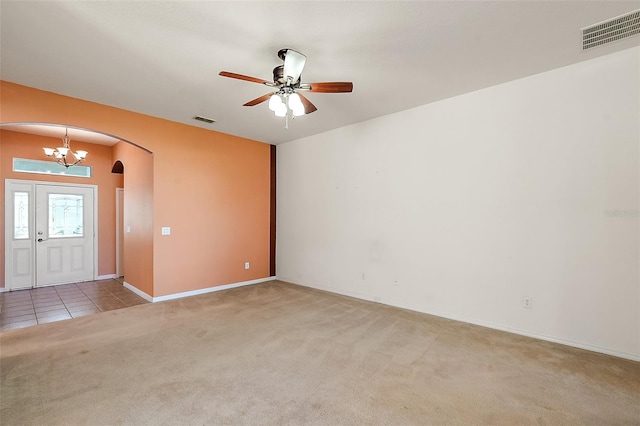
[[63, 154]]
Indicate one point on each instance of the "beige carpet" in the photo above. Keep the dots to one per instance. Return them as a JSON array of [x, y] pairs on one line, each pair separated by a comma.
[[276, 353]]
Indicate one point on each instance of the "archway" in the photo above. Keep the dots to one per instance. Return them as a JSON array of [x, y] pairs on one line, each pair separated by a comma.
[[26, 140]]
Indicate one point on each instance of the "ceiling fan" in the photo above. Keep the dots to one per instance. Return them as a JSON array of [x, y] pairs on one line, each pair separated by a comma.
[[287, 82]]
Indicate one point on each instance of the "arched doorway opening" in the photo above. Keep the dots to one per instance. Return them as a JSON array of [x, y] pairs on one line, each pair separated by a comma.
[[106, 153], [118, 167]]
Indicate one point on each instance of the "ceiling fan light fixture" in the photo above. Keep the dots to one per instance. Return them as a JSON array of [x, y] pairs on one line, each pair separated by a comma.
[[281, 111], [295, 102], [274, 102]]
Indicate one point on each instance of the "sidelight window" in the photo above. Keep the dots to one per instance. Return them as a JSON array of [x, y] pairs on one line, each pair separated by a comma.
[[21, 215]]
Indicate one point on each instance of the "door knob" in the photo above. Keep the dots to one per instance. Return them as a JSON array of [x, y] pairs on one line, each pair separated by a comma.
[[40, 240]]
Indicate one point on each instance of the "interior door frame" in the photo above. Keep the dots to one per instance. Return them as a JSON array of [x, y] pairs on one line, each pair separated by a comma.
[[94, 188]]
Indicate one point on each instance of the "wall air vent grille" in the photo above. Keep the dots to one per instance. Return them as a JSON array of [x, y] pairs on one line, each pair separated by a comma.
[[614, 29]]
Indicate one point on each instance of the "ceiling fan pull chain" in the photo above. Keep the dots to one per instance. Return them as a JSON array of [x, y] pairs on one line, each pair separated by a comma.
[[286, 121]]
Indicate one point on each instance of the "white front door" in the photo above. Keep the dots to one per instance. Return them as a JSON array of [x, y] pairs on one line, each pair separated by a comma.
[[64, 234], [57, 246]]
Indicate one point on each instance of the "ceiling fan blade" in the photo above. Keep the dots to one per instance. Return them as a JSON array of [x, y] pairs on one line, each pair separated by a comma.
[[259, 100], [245, 77], [308, 106], [333, 87], [293, 65]]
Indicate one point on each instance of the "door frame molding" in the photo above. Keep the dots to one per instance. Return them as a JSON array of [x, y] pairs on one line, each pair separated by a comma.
[[94, 188]]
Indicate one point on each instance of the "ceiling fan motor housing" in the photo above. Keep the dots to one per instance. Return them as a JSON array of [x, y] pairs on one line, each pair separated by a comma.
[[278, 74]]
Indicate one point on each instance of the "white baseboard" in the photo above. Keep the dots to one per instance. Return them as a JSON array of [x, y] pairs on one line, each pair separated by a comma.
[[193, 292], [137, 291], [106, 277], [532, 334], [3, 289], [501, 327]]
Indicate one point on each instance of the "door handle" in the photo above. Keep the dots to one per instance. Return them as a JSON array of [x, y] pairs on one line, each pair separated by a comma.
[[40, 240]]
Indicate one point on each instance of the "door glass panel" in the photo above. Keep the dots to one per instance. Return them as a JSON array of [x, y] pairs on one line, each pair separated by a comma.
[[21, 215], [65, 216]]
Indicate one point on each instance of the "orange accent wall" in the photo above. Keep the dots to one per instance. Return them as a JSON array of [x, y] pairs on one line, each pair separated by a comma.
[[21, 145], [211, 188], [138, 214]]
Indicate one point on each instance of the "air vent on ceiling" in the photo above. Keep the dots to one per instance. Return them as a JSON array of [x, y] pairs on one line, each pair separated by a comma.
[[611, 30], [204, 119]]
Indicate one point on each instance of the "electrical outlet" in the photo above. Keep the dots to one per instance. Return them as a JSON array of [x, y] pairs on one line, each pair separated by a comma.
[[246, 265], [526, 302]]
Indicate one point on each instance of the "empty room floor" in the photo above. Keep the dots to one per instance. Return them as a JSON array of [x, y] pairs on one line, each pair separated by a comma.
[[278, 353], [25, 308]]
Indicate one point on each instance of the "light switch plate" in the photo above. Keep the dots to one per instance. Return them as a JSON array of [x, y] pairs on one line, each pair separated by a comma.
[[166, 230]]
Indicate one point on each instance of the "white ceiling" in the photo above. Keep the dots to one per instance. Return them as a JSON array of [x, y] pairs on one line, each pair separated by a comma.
[[162, 58]]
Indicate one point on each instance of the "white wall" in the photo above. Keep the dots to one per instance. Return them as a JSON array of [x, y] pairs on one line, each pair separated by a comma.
[[461, 207]]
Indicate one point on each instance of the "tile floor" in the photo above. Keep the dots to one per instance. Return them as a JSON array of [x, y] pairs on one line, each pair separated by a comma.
[[24, 308]]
